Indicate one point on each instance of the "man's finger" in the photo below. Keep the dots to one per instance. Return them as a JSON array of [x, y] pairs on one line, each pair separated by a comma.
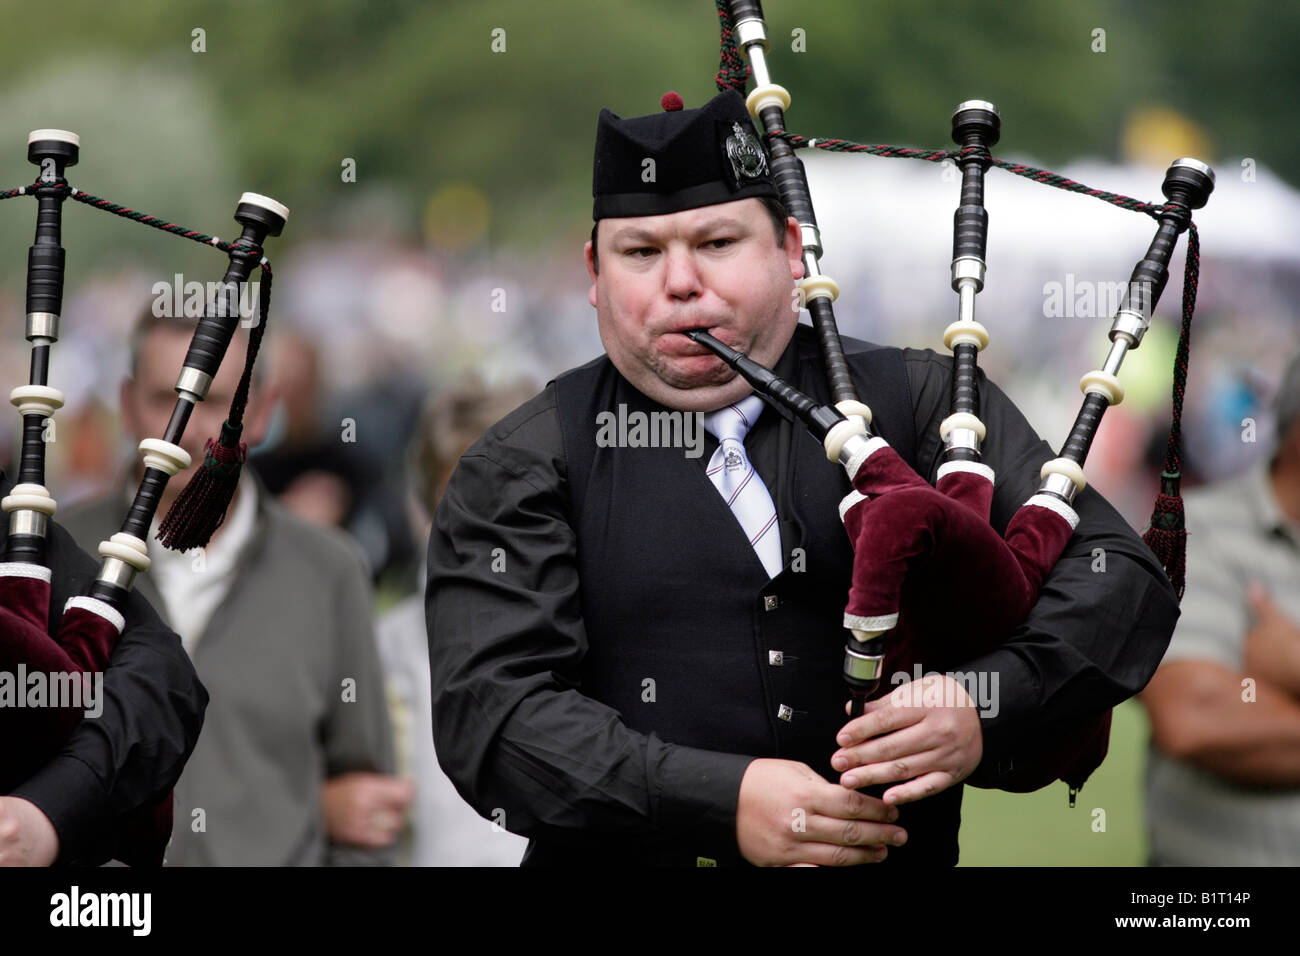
[[829, 854], [880, 716], [832, 800], [896, 744], [892, 771], [859, 833], [920, 788]]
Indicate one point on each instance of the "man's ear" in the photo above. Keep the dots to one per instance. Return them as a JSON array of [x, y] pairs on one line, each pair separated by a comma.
[[793, 246], [588, 253]]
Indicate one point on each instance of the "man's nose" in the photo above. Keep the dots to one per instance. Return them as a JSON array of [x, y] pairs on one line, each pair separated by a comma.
[[681, 274]]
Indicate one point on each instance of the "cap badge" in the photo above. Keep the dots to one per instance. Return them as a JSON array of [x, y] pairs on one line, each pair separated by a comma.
[[745, 153]]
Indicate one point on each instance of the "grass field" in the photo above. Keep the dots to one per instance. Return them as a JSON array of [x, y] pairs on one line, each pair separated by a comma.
[[1040, 829]]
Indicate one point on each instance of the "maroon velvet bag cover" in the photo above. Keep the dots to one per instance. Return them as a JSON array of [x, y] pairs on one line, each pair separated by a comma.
[[929, 555]]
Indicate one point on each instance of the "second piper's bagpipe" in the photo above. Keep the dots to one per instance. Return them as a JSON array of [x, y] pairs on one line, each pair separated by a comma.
[[65, 646], [932, 579]]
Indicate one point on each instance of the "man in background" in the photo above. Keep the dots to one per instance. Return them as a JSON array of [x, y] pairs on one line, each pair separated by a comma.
[[291, 768], [1223, 779]]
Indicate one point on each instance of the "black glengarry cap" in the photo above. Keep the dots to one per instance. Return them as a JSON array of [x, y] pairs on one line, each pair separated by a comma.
[[678, 159]]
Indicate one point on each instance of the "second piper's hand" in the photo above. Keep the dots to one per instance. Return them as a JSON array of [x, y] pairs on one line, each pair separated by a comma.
[[27, 837], [925, 732]]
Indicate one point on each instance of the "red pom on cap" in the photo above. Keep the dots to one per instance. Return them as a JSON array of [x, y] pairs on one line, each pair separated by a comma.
[[671, 102]]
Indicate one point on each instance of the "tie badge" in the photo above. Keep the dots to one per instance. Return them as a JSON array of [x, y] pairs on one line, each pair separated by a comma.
[[732, 460], [745, 153]]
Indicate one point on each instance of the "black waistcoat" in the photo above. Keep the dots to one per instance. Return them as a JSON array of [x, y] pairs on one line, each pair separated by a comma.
[[688, 638]]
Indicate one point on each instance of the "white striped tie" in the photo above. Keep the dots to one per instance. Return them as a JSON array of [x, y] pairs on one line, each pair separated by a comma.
[[738, 482]]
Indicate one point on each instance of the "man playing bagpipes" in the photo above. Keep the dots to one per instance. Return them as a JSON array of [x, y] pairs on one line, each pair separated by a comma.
[[99, 706], [76, 807], [636, 636]]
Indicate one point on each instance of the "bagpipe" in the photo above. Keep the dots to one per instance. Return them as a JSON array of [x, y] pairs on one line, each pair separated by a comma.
[[66, 656], [932, 580]]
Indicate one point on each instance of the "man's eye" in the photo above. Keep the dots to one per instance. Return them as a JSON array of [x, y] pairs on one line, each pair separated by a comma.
[[643, 252], [719, 243]]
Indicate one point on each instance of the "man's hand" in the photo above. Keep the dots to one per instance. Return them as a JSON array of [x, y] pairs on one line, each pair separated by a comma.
[[27, 837], [365, 809], [1272, 646], [787, 814], [931, 737]]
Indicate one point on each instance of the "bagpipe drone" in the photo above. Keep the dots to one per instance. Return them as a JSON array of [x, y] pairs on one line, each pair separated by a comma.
[[933, 581], [90, 625]]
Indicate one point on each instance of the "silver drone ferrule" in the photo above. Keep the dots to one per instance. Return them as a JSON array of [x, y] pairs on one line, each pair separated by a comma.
[[42, 325], [852, 445], [751, 32], [968, 269], [1129, 324], [117, 572], [811, 237], [28, 521], [967, 279], [193, 385], [862, 666], [962, 438], [1058, 484]]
